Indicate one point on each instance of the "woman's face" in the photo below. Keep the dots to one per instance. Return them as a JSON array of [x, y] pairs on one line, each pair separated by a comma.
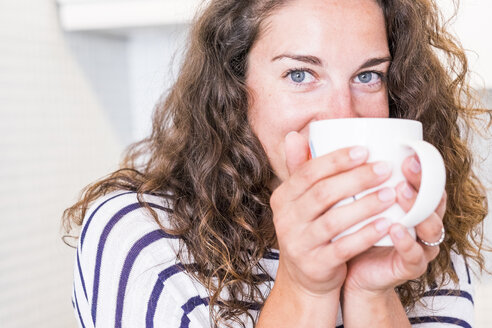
[[315, 60]]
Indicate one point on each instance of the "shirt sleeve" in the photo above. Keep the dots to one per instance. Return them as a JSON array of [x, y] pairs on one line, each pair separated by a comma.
[[126, 272], [450, 306]]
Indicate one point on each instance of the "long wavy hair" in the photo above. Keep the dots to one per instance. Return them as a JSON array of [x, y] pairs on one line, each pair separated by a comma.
[[203, 156]]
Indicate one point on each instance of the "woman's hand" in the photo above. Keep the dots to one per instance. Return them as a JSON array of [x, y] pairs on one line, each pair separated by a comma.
[[306, 222], [380, 269]]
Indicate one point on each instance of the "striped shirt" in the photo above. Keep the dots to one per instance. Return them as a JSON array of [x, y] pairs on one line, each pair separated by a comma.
[[126, 275]]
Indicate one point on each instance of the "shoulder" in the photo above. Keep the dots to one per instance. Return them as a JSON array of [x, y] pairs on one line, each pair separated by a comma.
[[119, 232], [125, 262], [121, 216]]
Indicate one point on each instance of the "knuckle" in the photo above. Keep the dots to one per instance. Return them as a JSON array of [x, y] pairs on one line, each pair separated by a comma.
[[341, 252], [321, 192], [338, 163], [415, 261], [327, 224], [410, 248], [306, 174]]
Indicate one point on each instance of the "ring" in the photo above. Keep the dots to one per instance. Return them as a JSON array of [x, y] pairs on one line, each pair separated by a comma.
[[437, 243]]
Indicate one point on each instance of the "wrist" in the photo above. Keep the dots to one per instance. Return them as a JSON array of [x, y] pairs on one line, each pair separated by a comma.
[[382, 307], [291, 305], [288, 306], [299, 293], [376, 302], [304, 289], [378, 296]]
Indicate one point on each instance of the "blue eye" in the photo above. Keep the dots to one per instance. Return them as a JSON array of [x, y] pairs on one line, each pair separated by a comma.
[[368, 78], [300, 76], [365, 77]]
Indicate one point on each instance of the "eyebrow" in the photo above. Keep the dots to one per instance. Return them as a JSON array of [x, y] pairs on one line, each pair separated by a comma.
[[375, 61], [318, 62], [303, 58]]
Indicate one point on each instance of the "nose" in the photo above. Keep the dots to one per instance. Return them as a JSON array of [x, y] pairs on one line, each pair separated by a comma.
[[338, 103]]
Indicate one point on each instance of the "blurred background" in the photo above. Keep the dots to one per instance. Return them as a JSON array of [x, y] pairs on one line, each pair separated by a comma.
[[78, 82]]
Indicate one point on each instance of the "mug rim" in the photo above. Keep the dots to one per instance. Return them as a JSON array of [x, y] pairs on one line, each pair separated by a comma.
[[367, 119]]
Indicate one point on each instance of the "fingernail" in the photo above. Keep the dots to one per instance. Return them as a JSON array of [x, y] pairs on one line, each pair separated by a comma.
[[414, 166], [358, 152], [290, 133], [382, 225], [382, 168], [386, 194], [407, 191], [400, 233]]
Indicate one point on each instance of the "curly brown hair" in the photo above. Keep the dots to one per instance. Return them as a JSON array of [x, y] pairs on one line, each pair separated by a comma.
[[203, 156]]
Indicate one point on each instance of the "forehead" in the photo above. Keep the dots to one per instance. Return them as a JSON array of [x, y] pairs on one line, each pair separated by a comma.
[[316, 26]]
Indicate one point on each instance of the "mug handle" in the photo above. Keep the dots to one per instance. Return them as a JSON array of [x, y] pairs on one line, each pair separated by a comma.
[[432, 183]]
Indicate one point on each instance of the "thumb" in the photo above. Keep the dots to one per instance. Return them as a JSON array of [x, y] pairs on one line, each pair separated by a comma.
[[296, 151]]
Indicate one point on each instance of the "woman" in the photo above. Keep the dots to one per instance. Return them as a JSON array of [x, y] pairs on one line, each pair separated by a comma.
[[220, 217]]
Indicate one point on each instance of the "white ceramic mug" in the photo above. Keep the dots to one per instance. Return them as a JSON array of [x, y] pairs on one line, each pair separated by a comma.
[[390, 140]]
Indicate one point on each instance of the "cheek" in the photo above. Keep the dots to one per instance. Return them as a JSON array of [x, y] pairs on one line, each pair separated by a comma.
[[269, 132], [372, 105], [277, 113], [271, 119]]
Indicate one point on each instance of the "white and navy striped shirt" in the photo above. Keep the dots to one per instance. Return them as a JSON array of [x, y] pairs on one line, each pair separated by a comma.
[[126, 275]]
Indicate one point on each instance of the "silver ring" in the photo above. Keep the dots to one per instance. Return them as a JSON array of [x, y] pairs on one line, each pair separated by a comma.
[[437, 243]]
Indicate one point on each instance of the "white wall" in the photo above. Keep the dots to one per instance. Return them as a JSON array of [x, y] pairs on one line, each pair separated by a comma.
[[473, 26], [56, 135], [66, 113], [103, 62], [154, 60]]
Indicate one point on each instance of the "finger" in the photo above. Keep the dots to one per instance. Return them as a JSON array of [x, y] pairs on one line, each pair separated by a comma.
[[406, 196], [338, 220], [410, 262], [327, 192], [430, 230], [296, 151], [412, 171], [441, 208], [321, 167], [349, 246]]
